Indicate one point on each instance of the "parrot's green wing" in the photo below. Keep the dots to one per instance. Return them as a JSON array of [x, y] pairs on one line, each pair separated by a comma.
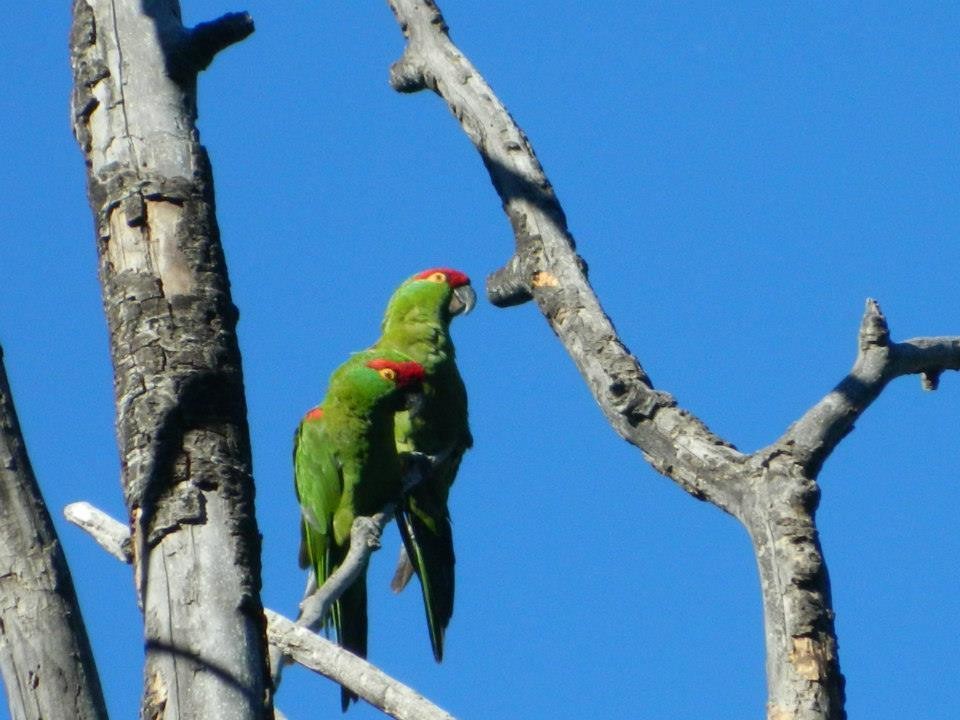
[[319, 484], [318, 475]]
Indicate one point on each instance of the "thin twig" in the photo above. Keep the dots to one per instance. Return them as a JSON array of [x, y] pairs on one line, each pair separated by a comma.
[[364, 539], [112, 535]]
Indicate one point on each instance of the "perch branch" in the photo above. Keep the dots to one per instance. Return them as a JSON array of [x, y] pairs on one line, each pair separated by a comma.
[[294, 639], [546, 268], [364, 539], [369, 682]]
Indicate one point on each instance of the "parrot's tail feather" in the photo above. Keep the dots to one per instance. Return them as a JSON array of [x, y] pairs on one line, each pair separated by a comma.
[[430, 551], [352, 627]]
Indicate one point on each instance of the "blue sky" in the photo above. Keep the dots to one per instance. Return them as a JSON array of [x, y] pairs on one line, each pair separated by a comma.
[[740, 179]]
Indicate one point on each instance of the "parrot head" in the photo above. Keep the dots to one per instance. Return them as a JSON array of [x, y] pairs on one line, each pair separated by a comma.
[[379, 379], [444, 288], [397, 382]]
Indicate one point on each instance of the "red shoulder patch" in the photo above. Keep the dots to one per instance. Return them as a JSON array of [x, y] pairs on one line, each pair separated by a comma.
[[315, 414], [455, 278]]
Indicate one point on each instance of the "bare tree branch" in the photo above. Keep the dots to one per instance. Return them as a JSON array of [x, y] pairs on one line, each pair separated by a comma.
[[181, 411], [802, 666], [294, 639], [879, 360], [369, 682], [112, 535], [364, 539], [209, 38], [547, 269], [45, 657], [772, 492]]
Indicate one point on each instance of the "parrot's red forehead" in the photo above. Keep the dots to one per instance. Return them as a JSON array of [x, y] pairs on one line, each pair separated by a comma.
[[455, 278], [407, 372]]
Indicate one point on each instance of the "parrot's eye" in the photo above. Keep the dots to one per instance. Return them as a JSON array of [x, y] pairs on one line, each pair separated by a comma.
[[437, 277], [387, 374]]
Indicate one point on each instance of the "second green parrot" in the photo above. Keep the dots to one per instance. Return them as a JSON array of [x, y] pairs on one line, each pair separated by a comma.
[[346, 465]]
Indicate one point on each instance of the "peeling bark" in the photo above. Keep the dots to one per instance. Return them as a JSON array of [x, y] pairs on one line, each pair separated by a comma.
[[45, 657], [181, 414]]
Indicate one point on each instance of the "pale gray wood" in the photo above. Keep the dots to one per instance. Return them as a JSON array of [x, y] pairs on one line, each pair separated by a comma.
[[45, 658], [112, 535], [803, 669], [370, 683], [109, 533], [181, 415], [772, 492], [294, 639], [364, 540]]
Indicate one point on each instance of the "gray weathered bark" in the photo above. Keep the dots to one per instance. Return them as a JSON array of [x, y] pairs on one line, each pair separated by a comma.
[[181, 415], [45, 657], [773, 492]]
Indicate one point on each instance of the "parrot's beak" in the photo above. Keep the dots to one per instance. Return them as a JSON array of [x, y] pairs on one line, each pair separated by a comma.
[[463, 300]]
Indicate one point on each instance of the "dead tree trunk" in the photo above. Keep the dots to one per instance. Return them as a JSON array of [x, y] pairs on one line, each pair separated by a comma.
[[181, 414], [772, 492], [45, 657]]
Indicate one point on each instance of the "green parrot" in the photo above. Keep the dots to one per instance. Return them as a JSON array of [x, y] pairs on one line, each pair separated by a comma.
[[435, 431], [346, 465]]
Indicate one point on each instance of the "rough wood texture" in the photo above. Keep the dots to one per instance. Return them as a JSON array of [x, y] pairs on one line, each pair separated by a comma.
[[181, 415], [45, 658], [803, 669], [773, 492]]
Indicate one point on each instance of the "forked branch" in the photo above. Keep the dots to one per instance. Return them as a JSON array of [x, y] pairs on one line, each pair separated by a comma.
[[773, 492], [879, 360]]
